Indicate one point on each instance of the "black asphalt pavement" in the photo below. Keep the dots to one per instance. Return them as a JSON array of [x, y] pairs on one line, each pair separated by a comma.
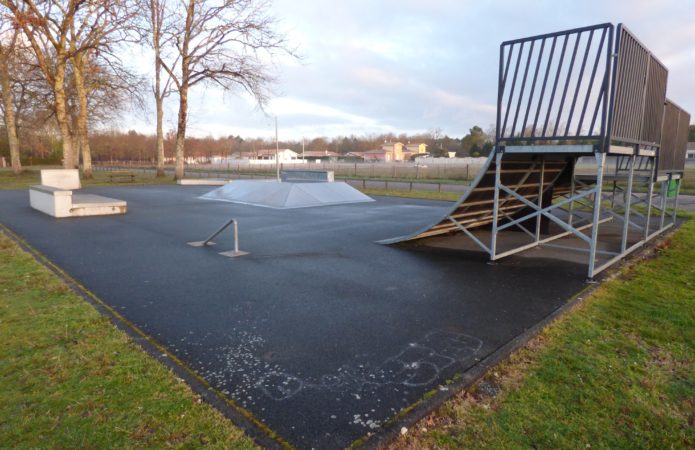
[[320, 333]]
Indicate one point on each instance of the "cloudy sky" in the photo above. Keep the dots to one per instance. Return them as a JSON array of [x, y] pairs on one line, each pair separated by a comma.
[[409, 66]]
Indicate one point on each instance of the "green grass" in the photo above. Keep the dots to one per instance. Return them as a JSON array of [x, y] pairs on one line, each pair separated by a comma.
[[462, 181], [616, 372], [70, 379], [427, 195], [31, 176]]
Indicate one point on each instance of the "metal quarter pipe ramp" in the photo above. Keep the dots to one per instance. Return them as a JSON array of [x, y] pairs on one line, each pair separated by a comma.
[[530, 177], [591, 98]]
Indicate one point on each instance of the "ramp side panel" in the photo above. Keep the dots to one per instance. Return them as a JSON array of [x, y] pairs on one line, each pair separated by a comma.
[[674, 141]]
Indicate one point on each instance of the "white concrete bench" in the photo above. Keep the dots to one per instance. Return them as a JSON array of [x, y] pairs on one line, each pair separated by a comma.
[[55, 197]]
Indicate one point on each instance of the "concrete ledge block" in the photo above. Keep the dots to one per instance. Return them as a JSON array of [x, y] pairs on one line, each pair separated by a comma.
[[61, 203]]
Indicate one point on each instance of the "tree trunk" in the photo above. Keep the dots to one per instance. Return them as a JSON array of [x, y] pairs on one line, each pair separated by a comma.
[[156, 17], [160, 138], [82, 113], [181, 131], [10, 123], [159, 100], [62, 117]]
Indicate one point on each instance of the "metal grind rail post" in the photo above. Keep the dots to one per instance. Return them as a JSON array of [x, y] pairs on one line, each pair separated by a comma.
[[230, 254]]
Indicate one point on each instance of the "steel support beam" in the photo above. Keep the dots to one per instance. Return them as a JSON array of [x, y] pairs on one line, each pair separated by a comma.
[[650, 194], [540, 199], [495, 208], [596, 213], [664, 194], [468, 233], [627, 203]]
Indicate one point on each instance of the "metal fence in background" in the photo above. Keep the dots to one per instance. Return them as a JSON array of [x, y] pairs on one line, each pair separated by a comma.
[[397, 170], [364, 183]]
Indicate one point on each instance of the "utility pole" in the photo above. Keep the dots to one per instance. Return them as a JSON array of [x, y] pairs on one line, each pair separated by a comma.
[[277, 151], [302, 148]]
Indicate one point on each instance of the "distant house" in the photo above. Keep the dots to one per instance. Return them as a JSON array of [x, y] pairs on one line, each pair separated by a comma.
[[354, 155], [690, 152], [267, 154], [414, 149], [323, 155], [392, 151], [378, 155]]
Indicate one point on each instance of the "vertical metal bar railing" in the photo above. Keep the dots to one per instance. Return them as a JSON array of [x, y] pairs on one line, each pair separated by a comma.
[[590, 88], [567, 81], [579, 82], [511, 92], [557, 77], [521, 91], [533, 88], [545, 81]]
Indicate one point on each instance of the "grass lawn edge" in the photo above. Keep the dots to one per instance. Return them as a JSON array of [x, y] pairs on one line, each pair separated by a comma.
[[261, 434], [462, 382]]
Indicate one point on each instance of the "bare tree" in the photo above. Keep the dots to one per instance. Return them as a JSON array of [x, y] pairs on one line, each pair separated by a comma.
[[111, 90], [94, 32], [154, 14], [67, 34], [8, 42], [46, 25], [22, 90], [226, 43]]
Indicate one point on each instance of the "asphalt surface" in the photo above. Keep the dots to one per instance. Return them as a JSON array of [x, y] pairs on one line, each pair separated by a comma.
[[687, 202], [320, 333]]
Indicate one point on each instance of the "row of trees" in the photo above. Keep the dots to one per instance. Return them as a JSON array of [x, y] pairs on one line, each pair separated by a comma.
[[44, 146], [117, 145], [60, 63], [61, 74]]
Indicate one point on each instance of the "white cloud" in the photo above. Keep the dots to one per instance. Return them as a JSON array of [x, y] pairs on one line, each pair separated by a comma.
[[291, 106], [409, 65]]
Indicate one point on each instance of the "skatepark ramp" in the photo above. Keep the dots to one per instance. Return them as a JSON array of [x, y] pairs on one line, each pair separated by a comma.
[[581, 118], [528, 176]]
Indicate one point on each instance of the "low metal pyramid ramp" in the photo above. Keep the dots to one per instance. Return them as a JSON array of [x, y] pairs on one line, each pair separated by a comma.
[[271, 194]]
